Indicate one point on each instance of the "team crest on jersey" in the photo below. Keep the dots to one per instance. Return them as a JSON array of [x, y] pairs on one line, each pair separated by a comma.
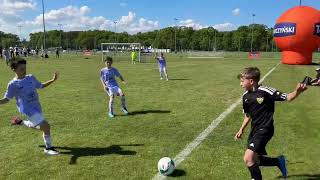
[[260, 100]]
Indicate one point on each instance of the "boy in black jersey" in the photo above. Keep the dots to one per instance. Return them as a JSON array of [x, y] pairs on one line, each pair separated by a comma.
[[258, 107]]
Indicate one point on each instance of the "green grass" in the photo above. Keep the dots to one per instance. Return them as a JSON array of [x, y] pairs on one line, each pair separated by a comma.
[[167, 116]]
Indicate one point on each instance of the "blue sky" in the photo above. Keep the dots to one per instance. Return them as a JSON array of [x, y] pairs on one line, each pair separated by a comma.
[[140, 15]]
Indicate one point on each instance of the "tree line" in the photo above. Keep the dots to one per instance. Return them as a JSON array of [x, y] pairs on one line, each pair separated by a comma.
[[174, 38]]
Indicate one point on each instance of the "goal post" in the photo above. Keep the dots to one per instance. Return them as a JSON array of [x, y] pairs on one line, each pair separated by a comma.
[[120, 51]]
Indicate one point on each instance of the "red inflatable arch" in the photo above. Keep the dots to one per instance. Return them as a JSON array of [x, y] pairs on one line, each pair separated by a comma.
[[297, 34]]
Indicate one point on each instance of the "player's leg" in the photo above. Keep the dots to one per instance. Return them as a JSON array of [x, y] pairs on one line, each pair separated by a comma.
[[250, 159], [263, 137], [165, 73], [161, 73], [37, 121], [45, 127], [263, 159], [123, 102], [111, 102]]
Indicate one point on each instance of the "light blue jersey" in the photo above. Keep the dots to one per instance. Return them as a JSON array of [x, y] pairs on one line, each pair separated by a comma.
[[108, 76], [161, 62], [25, 92]]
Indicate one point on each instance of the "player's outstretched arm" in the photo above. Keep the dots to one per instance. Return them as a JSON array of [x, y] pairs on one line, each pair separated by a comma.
[[47, 83], [4, 101], [122, 79], [245, 123], [105, 88], [299, 89]]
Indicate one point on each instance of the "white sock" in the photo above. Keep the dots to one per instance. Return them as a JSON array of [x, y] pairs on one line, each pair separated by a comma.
[[165, 73], [47, 140], [29, 124], [111, 105]]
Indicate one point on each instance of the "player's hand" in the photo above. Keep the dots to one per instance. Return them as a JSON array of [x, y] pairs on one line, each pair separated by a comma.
[[301, 87], [238, 135], [55, 76]]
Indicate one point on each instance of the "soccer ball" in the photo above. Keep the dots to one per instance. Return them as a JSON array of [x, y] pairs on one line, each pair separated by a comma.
[[166, 166]]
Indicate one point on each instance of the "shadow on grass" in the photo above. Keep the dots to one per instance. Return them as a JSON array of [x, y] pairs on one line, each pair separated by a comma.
[[304, 176], [178, 79], [147, 112], [295, 162], [77, 152], [178, 173]]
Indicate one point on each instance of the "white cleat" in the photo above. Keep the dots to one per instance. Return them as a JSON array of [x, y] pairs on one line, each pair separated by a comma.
[[51, 151]]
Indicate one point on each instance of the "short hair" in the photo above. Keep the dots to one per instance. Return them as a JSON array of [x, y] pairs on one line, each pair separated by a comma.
[[250, 73], [108, 59], [16, 61]]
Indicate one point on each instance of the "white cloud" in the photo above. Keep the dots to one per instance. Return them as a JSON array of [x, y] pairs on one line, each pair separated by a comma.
[[236, 12], [191, 23], [10, 17], [11, 7], [125, 20], [74, 18], [225, 27]]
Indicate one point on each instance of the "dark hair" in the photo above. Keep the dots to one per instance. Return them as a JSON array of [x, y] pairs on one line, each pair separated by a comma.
[[16, 61], [250, 73], [108, 58]]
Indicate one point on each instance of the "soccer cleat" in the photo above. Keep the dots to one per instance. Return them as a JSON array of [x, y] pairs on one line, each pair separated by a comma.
[[282, 166], [161, 78], [167, 79], [51, 151], [111, 115], [15, 120], [125, 111]]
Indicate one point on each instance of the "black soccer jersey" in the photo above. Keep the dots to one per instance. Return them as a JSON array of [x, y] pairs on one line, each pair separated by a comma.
[[259, 106]]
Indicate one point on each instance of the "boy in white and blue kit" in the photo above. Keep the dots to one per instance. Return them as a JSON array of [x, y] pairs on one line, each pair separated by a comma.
[[110, 85], [24, 89], [162, 66]]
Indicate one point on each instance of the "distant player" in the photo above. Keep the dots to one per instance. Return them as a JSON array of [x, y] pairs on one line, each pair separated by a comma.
[[134, 57], [162, 66], [11, 52], [24, 89], [259, 107], [316, 80], [57, 53], [110, 85], [6, 55]]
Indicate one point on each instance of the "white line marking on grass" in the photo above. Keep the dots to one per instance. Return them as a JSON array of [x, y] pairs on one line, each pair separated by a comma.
[[203, 135]]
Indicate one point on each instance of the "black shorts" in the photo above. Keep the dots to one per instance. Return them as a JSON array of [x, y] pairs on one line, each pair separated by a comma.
[[258, 140]]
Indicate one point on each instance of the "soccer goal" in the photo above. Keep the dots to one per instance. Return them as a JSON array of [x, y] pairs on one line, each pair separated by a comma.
[[120, 51]]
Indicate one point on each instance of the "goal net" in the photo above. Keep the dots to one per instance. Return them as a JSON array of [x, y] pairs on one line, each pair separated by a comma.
[[121, 51]]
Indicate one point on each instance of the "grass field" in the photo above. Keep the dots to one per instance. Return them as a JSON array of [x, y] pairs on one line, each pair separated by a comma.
[[164, 118]]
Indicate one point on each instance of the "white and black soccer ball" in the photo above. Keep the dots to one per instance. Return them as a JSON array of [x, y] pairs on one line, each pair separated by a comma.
[[166, 166]]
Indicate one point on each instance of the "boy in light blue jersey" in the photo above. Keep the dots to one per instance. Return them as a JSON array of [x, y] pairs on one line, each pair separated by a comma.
[[24, 89], [162, 66], [110, 85]]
